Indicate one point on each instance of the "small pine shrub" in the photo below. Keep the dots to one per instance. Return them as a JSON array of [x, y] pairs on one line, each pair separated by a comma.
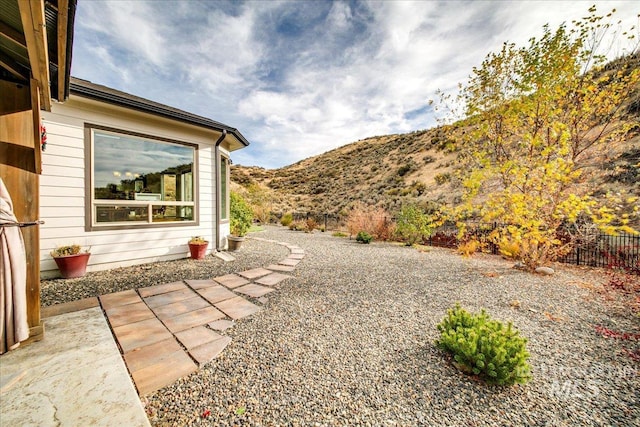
[[339, 234], [364, 237], [286, 219], [484, 347]]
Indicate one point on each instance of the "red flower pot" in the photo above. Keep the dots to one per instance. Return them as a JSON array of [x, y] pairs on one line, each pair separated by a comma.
[[72, 266], [198, 250]]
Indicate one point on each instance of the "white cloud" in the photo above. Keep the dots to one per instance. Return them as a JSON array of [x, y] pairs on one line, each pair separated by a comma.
[[134, 27], [300, 78]]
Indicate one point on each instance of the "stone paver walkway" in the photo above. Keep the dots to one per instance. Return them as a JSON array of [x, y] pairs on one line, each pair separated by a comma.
[[168, 331]]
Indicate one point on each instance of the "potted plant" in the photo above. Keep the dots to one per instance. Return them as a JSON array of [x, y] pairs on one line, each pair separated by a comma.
[[71, 260], [241, 220], [198, 247]]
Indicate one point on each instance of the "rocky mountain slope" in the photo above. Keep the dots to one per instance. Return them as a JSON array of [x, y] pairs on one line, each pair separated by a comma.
[[421, 167], [390, 170]]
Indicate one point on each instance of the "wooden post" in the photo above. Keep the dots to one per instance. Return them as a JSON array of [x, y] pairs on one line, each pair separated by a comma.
[[19, 141]]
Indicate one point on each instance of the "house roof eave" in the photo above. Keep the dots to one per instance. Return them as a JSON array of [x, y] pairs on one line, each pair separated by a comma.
[[87, 89]]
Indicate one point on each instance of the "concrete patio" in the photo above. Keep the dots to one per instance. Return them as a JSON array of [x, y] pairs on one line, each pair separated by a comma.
[[100, 354]]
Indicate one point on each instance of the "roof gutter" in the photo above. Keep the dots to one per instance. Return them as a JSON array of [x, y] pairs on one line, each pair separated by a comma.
[[223, 135]]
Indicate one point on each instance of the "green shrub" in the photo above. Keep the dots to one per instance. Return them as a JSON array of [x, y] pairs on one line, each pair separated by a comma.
[[241, 215], [286, 219], [484, 347], [364, 237], [442, 178], [413, 225]]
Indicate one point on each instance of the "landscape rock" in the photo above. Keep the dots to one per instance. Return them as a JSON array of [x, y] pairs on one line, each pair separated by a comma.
[[545, 270]]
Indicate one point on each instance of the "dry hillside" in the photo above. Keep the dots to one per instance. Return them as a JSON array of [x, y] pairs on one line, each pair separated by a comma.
[[421, 167], [390, 170]]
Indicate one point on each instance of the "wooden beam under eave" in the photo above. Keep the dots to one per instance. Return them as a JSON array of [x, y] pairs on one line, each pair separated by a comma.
[[37, 138], [13, 67], [63, 19], [35, 34], [12, 35]]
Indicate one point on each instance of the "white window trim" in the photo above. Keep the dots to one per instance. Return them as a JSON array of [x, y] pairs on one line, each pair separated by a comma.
[[91, 213]]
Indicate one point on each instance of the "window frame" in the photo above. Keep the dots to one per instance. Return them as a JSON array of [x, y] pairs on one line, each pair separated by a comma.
[[91, 223], [225, 185]]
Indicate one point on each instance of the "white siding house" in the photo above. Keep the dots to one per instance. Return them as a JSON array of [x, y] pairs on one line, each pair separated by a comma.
[[131, 179]]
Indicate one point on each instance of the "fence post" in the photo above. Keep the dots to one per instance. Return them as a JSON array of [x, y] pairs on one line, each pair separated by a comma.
[[325, 222], [578, 255]]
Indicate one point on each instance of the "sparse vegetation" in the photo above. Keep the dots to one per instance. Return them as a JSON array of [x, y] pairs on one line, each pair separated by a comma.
[[413, 225], [374, 221], [241, 215], [286, 219], [364, 237]]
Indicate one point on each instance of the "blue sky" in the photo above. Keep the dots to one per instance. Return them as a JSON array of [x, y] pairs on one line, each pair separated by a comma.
[[299, 78]]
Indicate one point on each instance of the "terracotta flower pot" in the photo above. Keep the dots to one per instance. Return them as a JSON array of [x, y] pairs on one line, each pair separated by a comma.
[[198, 250], [234, 242], [72, 266]]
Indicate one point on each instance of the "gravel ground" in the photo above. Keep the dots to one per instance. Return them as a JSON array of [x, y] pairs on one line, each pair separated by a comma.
[[350, 341], [252, 255]]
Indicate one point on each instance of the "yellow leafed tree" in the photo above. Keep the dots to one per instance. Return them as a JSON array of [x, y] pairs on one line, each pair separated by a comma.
[[542, 115]]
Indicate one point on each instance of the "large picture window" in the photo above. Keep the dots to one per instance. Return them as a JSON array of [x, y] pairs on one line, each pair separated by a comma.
[[139, 180]]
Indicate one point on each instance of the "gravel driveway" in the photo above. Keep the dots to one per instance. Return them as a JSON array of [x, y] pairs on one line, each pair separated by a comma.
[[349, 341]]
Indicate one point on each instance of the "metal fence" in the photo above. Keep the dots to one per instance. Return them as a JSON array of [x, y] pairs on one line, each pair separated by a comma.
[[591, 248]]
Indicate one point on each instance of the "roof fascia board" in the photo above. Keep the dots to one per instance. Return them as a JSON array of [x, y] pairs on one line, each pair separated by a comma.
[[153, 108], [63, 7]]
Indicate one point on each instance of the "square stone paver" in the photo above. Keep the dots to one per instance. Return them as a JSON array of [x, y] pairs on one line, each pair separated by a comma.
[[197, 336], [296, 250], [237, 307], [231, 280], [256, 272], [173, 367], [151, 354], [216, 294], [119, 298], [253, 290], [193, 319], [169, 297], [221, 325], [290, 262], [275, 267], [141, 333], [181, 307], [161, 289], [199, 284], [272, 279], [296, 256], [130, 313], [209, 351]]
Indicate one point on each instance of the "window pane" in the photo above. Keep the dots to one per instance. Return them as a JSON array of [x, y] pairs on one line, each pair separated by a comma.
[[131, 168], [162, 213], [223, 188], [121, 213]]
